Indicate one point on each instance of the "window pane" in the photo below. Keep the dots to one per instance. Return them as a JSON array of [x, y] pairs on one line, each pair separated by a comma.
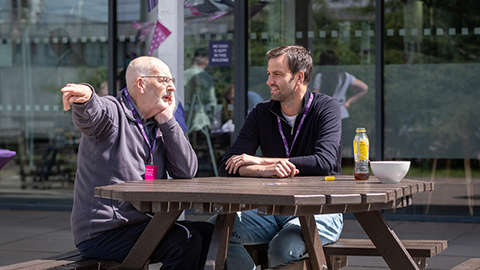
[[341, 30], [431, 97], [209, 90], [44, 45]]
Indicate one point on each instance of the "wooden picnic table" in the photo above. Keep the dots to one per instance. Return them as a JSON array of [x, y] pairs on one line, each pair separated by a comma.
[[299, 196]]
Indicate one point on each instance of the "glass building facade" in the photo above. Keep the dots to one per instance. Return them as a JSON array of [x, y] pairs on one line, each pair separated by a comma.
[[416, 61]]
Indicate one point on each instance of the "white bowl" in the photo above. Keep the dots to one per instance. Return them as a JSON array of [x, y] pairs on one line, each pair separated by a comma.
[[390, 171]]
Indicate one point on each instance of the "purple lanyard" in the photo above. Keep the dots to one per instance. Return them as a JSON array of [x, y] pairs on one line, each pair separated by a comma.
[[287, 150], [137, 118]]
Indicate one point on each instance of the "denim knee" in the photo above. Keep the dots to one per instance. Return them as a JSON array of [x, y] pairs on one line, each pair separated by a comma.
[[286, 246]]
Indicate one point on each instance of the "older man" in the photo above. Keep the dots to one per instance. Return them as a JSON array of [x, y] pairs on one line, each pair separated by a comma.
[[131, 137], [298, 133]]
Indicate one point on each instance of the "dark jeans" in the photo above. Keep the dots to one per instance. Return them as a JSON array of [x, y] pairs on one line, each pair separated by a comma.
[[185, 246]]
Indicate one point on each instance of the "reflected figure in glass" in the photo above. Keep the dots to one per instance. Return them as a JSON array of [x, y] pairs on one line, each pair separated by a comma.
[[335, 83]]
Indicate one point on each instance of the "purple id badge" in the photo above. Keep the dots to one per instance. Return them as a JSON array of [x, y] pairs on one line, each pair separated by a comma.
[[151, 172]]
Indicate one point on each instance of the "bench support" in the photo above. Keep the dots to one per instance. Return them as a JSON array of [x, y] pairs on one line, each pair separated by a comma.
[[386, 241], [217, 253], [313, 242], [153, 234]]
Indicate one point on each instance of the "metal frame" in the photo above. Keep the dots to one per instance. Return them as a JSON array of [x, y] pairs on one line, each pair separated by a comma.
[[112, 47], [240, 44], [379, 79]]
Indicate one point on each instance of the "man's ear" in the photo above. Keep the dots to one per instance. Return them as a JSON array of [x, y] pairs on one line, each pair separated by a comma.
[[299, 77], [140, 85]]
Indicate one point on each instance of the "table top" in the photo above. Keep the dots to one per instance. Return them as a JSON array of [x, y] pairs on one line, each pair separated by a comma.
[[272, 195]]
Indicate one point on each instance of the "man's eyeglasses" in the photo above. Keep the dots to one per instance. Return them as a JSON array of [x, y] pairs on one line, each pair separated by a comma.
[[164, 79]]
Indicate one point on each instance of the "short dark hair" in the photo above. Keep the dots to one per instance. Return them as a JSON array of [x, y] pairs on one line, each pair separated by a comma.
[[299, 59], [328, 57], [201, 52], [200, 57]]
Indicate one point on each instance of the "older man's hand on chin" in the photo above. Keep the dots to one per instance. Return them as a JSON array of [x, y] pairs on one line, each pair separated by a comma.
[[168, 107]]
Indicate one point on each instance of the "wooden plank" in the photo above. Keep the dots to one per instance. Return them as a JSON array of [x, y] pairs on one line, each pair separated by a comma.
[[217, 252], [344, 198], [336, 253], [23, 265], [386, 241], [313, 242], [295, 191], [52, 264], [86, 265], [365, 247], [371, 197], [471, 264]]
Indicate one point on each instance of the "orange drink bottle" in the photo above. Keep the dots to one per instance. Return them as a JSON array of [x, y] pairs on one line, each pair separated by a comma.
[[361, 147]]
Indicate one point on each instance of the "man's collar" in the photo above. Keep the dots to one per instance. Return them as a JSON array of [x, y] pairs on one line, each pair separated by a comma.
[[129, 112]]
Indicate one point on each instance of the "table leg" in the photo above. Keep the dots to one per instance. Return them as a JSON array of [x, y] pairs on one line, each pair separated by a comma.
[[313, 242], [386, 241], [146, 244], [217, 253]]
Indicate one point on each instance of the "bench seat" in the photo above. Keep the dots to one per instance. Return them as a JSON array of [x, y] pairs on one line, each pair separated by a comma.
[[365, 247], [471, 264], [338, 252], [69, 260]]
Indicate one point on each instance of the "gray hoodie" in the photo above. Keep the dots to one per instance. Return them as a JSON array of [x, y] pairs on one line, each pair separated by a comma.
[[112, 150]]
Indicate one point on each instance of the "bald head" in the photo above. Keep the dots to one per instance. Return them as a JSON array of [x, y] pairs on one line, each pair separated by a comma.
[[143, 66]]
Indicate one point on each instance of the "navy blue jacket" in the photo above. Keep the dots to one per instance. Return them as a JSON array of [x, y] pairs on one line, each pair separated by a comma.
[[317, 150]]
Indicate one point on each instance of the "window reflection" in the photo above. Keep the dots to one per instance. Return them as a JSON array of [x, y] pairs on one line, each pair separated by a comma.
[[44, 45], [345, 27], [431, 98], [209, 90]]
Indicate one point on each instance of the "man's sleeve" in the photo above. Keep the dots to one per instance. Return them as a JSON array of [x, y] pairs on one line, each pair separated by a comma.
[[94, 117], [181, 161], [328, 145], [247, 141]]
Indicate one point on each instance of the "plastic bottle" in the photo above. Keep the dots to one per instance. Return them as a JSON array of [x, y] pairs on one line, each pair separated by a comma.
[[361, 147]]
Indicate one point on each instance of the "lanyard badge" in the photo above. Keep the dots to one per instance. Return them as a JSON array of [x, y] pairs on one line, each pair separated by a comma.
[[151, 172]]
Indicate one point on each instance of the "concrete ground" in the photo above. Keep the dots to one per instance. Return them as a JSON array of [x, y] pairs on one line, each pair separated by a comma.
[[28, 235]]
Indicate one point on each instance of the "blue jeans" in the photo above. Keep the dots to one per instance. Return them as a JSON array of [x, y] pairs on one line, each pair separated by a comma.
[[282, 233]]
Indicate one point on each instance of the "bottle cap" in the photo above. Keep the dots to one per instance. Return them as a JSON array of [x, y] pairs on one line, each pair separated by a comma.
[[360, 129]]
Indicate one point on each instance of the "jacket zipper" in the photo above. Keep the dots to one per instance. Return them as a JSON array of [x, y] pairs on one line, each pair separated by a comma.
[[281, 118]]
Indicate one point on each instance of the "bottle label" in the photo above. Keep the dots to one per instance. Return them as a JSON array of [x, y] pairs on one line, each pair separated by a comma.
[[355, 151], [363, 150], [360, 149]]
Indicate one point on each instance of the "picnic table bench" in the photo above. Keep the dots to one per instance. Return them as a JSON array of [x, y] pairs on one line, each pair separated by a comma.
[[69, 260], [300, 196], [337, 253]]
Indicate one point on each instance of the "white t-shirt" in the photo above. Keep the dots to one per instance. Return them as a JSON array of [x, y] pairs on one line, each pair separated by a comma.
[[340, 93], [290, 119]]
